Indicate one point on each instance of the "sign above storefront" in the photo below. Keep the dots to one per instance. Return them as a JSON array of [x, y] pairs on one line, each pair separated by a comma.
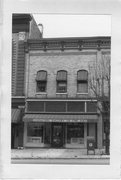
[[59, 120]]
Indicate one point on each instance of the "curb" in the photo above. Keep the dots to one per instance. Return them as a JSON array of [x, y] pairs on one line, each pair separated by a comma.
[[91, 157]]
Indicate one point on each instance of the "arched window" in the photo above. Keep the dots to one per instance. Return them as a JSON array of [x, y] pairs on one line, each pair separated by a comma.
[[41, 79], [61, 81], [82, 81]]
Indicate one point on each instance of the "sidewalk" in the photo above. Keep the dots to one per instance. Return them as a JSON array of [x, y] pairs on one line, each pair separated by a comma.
[[44, 153]]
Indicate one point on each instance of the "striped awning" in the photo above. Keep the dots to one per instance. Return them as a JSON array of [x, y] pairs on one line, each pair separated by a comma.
[[60, 118], [41, 76], [82, 75], [15, 115], [62, 76]]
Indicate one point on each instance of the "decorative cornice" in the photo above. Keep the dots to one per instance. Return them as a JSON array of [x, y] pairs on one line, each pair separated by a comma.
[[65, 53], [62, 44], [61, 99]]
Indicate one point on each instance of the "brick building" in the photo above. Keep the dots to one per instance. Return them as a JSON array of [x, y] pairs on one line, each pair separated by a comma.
[[23, 28], [62, 109]]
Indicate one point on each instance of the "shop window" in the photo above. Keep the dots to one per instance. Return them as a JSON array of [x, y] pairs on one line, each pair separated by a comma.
[[75, 133], [61, 81], [91, 106], [35, 132], [41, 80], [82, 81], [87, 129]]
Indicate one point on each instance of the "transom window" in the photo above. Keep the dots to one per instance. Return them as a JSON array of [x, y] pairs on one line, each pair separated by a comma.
[[82, 81], [62, 81], [41, 79], [91, 106], [62, 106]]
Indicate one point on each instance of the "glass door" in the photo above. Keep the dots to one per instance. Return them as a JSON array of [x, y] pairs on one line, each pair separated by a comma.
[[57, 135]]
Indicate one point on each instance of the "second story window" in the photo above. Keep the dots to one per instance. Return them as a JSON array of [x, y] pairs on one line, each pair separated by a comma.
[[41, 80], [82, 81], [61, 81]]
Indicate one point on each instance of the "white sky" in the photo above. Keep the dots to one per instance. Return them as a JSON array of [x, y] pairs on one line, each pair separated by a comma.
[[59, 25]]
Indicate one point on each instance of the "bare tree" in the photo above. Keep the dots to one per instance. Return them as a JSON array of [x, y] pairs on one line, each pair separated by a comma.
[[99, 84]]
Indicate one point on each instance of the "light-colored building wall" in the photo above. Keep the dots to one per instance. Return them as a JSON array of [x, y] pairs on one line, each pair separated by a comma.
[[71, 61]]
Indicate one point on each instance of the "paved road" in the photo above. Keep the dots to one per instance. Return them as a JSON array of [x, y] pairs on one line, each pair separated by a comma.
[[62, 161]]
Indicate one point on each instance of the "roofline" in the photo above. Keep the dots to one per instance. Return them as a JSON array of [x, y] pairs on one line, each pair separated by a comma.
[[66, 43], [18, 16], [73, 38]]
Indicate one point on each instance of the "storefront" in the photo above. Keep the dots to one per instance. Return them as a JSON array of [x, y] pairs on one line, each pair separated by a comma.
[[16, 128], [59, 131]]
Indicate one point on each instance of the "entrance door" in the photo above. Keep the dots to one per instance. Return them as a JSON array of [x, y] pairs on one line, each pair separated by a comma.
[[57, 135], [14, 136]]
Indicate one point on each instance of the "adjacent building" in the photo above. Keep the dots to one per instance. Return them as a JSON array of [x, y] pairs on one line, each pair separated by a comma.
[[23, 28], [64, 88]]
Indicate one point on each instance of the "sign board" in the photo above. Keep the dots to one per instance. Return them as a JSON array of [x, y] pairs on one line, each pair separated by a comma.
[[22, 36], [90, 144], [60, 120]]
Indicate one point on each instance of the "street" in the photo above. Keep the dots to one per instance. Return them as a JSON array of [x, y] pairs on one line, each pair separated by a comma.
[[62, 161]]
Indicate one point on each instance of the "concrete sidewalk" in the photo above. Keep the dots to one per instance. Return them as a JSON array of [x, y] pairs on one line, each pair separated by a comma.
[[44, 153]]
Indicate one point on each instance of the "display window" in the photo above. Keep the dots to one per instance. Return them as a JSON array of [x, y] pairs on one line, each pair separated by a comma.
[[35, 132], [75, 133]]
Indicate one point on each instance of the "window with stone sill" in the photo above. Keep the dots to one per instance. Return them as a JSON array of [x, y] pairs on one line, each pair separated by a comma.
[[61, 81], [41, 81], [82, 81]]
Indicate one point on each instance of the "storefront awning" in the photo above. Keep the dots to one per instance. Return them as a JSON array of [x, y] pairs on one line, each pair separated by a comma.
[[15, 115], [60, 118]]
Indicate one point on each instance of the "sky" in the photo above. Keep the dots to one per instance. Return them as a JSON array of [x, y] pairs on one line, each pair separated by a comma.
[[63, 25]]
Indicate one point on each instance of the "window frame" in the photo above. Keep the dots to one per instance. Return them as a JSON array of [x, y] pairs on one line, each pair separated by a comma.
[[61, 81], [94, 105], [38, 88], [57, 87], [81, 82], [33, 129], [41, 81]]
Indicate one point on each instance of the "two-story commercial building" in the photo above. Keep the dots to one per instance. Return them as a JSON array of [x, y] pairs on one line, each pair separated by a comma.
[[61, 107]]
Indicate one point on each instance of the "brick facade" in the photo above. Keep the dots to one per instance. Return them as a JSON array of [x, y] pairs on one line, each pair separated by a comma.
[[52, 62]]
